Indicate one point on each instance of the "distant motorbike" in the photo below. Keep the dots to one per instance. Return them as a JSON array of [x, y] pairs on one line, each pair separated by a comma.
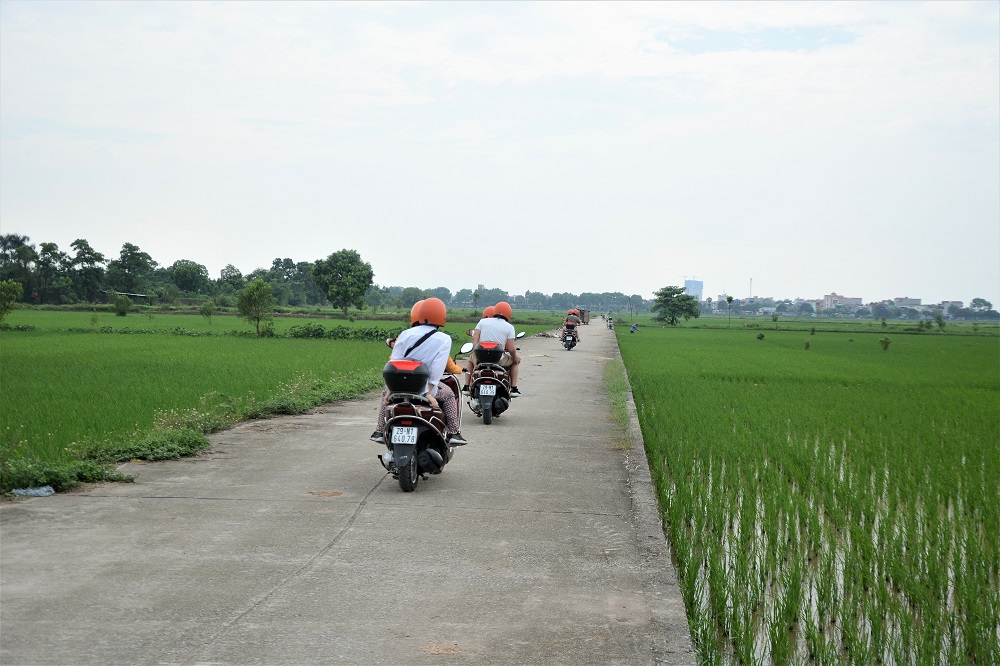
[[570, 337], [416, 433], [610, 324], [489, 390]]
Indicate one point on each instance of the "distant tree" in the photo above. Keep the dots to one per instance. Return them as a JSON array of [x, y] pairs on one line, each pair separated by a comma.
[[444, 293], [475, 299], [411, 295], [806, 308], [885, 343], [939, 320], [231, 276], [51, 265], [255, 303], [87, 269], [671, 303], [881, 311], [344, 278], [10, 294], [729, 307], [980, 305], [462, 297], [189, 275], [130, 271]]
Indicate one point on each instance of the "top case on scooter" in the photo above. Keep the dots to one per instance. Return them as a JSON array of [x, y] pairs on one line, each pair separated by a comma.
[[405, 376], [489, 352]]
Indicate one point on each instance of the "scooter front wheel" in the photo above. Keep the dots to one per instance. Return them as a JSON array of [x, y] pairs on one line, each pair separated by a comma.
[[409, 476]]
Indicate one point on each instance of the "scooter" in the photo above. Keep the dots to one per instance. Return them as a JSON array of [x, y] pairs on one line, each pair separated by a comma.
[[489, 390], [416, 433], [570, 337]]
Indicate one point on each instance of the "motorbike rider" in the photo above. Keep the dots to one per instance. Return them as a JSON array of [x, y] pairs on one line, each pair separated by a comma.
[[424, 342], [498, 329], [470, 365], [573, 317]]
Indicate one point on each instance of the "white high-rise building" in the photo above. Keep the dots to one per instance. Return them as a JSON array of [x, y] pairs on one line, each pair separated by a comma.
[[694, 288]]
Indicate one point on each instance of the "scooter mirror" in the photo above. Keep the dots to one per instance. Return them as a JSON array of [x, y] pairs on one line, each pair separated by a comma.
[[389, 342], [519, 335], [466, 348]]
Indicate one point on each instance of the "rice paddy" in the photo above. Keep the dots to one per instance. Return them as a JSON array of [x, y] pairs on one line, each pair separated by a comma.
[[832, 504]]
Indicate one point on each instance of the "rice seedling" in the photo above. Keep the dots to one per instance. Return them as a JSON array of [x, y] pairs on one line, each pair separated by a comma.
[[845, 500]]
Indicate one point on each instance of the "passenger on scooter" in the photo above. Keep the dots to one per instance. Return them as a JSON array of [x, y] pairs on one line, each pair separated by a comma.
[[573, 317], [425, 343], [498, 329], [470, 365]]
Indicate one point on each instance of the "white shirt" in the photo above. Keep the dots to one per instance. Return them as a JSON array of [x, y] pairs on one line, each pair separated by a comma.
[[433, 352], [495, 330]]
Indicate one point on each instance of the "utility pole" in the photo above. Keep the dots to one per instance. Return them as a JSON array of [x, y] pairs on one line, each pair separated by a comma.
[[751, 287]]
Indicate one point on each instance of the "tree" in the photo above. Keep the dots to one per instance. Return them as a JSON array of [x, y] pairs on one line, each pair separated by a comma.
[[806, 308], [10, 294], [344, 278], [231, 276], [256, 303], [189, 275], [444, 293], [51, 265], [729, 307], [129, 271], [411, 295], [671, 303], [939, 320], [88, 270], [206, 310], [980, 305]]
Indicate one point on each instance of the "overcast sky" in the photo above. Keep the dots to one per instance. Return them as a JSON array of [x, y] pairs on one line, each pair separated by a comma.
[[557, 146]]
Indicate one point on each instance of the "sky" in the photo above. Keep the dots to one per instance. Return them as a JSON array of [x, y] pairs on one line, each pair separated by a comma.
[[788, 149]]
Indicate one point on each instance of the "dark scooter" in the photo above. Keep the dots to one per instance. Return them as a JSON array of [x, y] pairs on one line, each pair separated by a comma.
[[570, 337], [415, 432], [489, 390]]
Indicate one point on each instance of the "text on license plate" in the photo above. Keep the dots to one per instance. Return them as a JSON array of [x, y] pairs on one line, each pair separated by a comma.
[[488, 389], [402, 435]]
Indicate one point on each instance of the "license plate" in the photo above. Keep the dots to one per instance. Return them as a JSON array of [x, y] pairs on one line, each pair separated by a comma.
[[487, 389], [402, 435]]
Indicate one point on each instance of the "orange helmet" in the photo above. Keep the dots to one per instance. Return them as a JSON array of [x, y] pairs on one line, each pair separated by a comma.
[[488, 312], [432, 311], [415, 313], [502, 309]]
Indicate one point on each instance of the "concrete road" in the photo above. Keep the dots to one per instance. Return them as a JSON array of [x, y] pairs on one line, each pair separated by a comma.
[[288, 543]]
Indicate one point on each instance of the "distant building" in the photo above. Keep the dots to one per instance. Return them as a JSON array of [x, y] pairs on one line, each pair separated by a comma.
[[946, 306], [831, 301], [694, 288], [906, 302]]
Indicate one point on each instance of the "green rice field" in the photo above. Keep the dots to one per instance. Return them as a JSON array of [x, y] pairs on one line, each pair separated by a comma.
[[832, 502], [72, 378]]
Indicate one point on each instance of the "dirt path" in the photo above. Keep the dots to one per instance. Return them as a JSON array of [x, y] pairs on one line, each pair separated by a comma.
[[287, 543]]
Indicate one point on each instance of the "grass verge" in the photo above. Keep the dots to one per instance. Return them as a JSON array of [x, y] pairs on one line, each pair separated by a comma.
[[616, 382]]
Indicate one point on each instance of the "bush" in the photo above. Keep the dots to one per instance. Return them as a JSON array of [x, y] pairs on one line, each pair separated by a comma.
[[122, 305]]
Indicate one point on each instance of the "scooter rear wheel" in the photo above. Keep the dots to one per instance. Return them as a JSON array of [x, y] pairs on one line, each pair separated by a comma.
[[488, 415], [408, 476]]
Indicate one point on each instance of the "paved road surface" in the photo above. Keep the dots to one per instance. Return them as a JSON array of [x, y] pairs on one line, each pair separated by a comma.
[[288, 543]]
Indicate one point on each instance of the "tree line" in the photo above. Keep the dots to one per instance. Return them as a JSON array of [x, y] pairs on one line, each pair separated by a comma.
[[50, 275]]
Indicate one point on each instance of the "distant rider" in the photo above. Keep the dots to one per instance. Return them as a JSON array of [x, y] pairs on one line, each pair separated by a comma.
[[498, 329]]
